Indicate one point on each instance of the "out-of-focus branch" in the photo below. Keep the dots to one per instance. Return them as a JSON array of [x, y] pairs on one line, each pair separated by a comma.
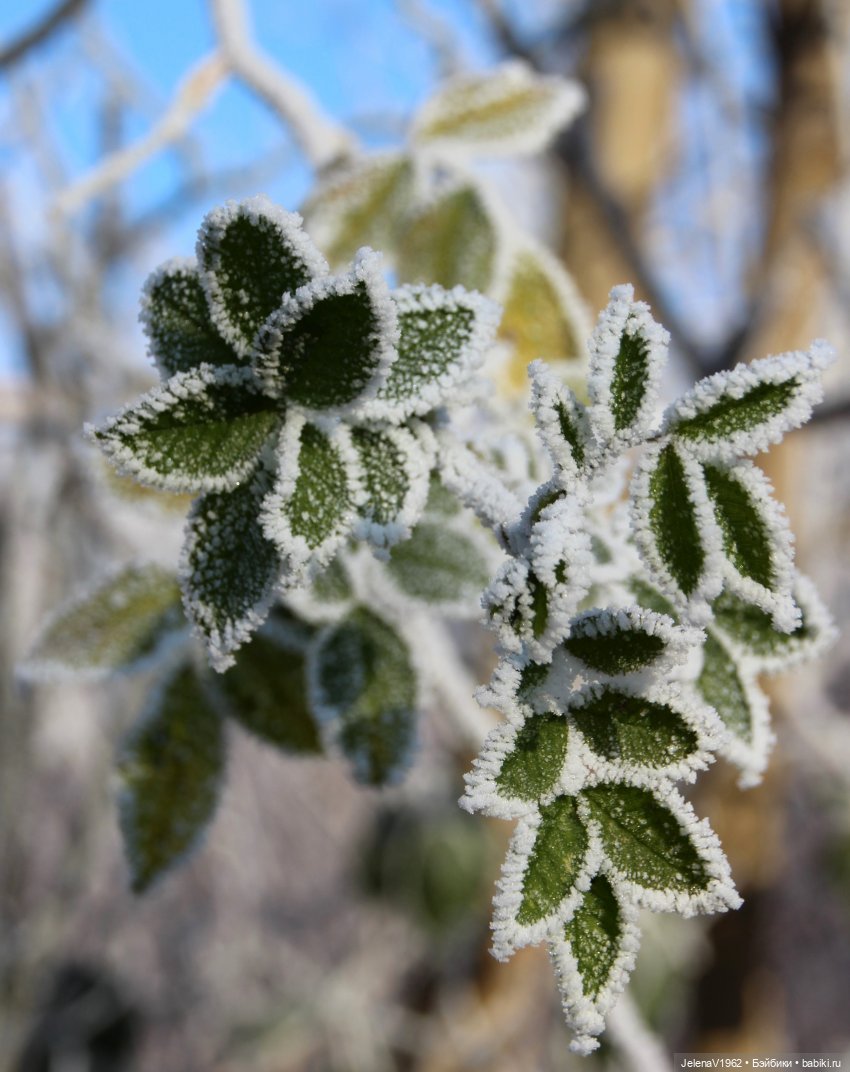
[[192, 97], [436, 32], [320, 138], [41, 32], [636, 1042]]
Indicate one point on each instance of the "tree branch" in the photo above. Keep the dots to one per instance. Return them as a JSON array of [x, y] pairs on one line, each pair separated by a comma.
[[41, 32]]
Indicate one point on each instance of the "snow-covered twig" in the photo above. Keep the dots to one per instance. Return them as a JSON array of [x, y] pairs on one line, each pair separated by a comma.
[[321, 139]]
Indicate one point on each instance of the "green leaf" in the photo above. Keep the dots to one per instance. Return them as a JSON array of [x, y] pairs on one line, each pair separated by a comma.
[[645, 840], [171, 773], [178, 323], [628, 384], [118, 625], [360, 204], [721, 686], [267, 694], [612, 644], [230, 570], [365, 684], [631, 729], [673, 523], [744, 410], [250, 255], [451, 242], [443, 338], [746, 536], [200, 431], [332, 584], [510, 109], [649, 597], [751, 628], [543, 316], [395, 463], [439, 565], [728, 415], [595, 934], [555, 861], [533, 766], [332, 342], [310, 512]]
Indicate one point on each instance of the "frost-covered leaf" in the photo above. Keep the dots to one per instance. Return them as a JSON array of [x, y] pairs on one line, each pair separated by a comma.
[[118, 624], [757, 542], [517, 605], [745, 410], [200, 431], [360, 204], [555, 862], [333, 341], [658, 850], [250, 254], [364, 688], [451, 241], [751, 629], [631, 729], [266, 692], [729, 685], [627, 352], [310, 511], [623, 640], [507, 110], [443, 338], [440, 564], [561, 421], [532, 767], [396, 466], [171, 771], [593, 958], [177, 320], [229, 569], [674, 525], [543, 317]]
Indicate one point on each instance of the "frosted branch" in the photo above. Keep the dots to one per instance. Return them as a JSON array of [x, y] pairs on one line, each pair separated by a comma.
[[321, 139]]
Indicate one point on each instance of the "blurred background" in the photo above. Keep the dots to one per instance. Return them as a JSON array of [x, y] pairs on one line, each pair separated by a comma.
[[324, 927]]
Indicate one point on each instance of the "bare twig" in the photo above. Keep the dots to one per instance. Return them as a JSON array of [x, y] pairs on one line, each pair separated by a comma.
[[192, 97], [41, 32]]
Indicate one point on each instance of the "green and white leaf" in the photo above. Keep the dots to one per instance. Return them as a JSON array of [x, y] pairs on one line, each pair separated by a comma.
[[396, 464], [660, 855], [627, 352], [544, 316], [593, 956], [121, 623], [312, 508], [758, 548], [171, 773], [747, 409], [360, 203], [202, 430], [550, 860], [177, 320], [675, 530], [443, 339], [266, 693], [364, 690], [562, 424], [454, 240], [230, 572], [330, 344], [444, 564], [609, 642], [728, 681], [751, 630], [251, 253], [507, 110]]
